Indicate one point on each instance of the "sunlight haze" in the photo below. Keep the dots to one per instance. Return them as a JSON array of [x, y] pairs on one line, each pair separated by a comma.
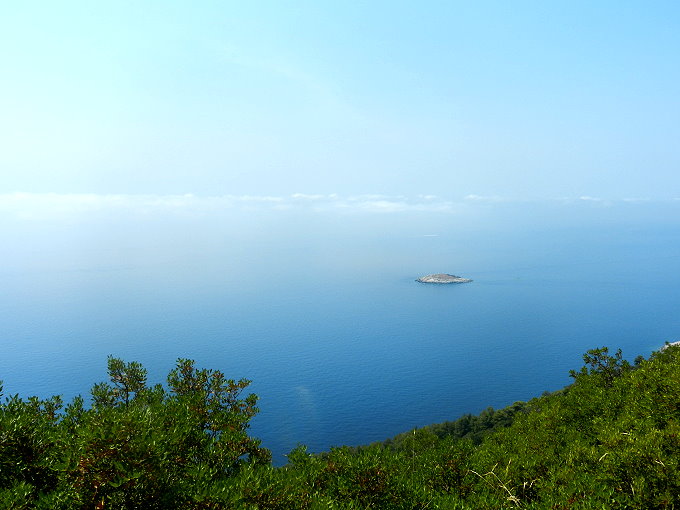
[[521, 100]]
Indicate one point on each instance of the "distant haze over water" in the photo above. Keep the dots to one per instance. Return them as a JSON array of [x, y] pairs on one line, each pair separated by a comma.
[[319, 307]]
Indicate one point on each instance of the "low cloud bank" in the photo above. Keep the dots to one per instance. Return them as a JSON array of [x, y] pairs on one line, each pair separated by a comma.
[[51, 205], [41, 205]]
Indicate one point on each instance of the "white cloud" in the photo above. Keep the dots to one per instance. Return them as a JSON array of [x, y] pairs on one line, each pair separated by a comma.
[[305, 196], [484, 198], [50, 205], [41, 206], [384, 204], [364, 198], [253, 198]]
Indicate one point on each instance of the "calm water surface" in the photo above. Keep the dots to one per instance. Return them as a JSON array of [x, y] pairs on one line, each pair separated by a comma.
[[342, 345]]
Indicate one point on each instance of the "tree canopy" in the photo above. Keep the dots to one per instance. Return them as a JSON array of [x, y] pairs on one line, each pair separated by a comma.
[[611, 439]]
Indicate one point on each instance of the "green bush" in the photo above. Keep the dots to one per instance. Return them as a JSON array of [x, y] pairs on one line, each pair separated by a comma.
[[136, 447], [610, 440]]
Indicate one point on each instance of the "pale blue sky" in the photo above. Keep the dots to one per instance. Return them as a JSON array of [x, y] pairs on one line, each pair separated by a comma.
[[514, 100]]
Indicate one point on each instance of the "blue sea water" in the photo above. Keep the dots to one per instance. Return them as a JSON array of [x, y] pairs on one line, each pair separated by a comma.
[[324, 316]]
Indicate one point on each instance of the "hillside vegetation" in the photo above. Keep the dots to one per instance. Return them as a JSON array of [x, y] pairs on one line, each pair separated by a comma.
[[609, 440]]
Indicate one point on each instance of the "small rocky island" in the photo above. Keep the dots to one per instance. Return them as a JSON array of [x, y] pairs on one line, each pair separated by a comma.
[[442, 278]]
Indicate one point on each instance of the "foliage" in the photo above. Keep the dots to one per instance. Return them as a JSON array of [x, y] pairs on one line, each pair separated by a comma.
[[136, 447], [609, 440], [467, 426], [600, 365]]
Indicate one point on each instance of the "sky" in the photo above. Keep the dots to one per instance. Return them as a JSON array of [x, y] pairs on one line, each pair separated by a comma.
[[278, 102]]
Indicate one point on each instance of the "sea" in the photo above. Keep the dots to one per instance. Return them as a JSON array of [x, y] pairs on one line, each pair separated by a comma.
[[321, 311]]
